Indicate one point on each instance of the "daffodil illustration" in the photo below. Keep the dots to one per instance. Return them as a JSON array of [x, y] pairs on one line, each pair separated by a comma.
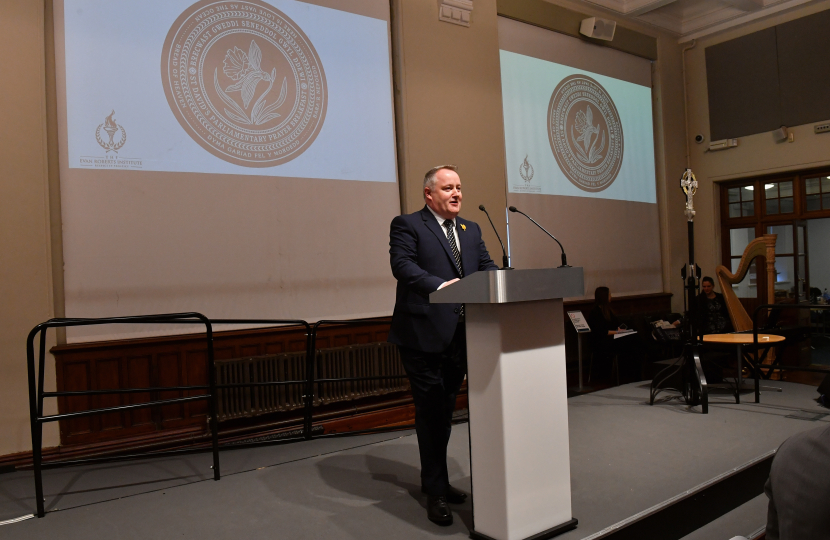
[[584, 125], [245, 70]]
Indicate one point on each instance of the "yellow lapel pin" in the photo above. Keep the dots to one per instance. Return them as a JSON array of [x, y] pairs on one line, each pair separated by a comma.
[[463, 227]]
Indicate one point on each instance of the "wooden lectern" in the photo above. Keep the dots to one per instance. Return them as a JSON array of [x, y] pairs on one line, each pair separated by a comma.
[[519, 454]]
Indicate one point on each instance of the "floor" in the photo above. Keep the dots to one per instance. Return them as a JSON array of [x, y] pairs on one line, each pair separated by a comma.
[[626, 456]]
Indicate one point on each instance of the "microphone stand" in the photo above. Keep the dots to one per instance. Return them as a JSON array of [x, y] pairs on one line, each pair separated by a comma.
[[693, 381], [505, 262], [564, 257]]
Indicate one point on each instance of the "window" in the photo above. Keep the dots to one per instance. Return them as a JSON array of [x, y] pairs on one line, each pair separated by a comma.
[[782, 204], [738, 240], [779, 197], [741, 201], [817, 191]]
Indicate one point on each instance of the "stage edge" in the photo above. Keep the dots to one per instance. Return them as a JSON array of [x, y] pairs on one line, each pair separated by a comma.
[[544, 535]]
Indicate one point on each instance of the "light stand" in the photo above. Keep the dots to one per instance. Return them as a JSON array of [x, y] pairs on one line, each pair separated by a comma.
[[693, 381]]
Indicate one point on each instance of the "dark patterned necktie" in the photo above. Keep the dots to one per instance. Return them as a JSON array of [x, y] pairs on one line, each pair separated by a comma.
[[448, 224]]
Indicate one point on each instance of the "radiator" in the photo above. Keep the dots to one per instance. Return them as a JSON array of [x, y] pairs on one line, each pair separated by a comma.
[[371, 360]]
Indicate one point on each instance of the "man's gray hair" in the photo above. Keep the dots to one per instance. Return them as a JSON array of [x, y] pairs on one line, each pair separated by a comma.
[[429, 177]]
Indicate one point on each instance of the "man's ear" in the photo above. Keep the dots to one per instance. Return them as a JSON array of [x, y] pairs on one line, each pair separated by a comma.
[[427, 194]]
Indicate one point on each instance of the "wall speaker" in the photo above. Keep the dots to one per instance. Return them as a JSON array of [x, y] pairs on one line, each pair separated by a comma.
[[780, 134], [594, 27]]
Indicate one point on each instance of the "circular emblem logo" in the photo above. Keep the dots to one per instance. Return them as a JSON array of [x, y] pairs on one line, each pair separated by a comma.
[[585, 133], [244, 82]]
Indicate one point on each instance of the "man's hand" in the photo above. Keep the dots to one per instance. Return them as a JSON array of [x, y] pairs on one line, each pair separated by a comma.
[[450, 282]]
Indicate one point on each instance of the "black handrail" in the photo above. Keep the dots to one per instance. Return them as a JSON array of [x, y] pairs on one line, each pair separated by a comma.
[[308, 418], [37, 393]]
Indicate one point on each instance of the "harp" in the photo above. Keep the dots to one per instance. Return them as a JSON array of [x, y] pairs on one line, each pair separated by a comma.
[[760, 247]]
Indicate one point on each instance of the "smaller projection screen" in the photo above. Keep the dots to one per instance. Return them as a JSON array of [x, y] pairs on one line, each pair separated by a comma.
[[234, 158], [579, 144]]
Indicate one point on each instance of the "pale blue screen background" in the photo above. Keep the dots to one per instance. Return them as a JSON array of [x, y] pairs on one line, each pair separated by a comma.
[[527, 85]]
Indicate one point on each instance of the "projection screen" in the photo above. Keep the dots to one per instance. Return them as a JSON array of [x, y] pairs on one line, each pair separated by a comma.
[[231, 158], [579, 144]]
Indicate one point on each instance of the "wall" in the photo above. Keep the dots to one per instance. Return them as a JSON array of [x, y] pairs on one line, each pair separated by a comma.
[[818, 238], [448, 101], [25, 272], [448, 93], [756, 154], [669, 146]]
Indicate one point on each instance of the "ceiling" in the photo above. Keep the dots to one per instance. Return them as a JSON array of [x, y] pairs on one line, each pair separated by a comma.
[[691, 19]]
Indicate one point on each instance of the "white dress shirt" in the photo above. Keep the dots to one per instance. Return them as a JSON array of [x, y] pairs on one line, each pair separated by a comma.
[[454, 227], [454, 232]]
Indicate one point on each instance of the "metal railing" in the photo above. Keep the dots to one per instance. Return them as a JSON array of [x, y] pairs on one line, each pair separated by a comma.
[[37, 394]]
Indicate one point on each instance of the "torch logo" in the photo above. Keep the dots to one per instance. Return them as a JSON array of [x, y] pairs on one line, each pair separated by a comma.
[[111, 128], [526, 170]]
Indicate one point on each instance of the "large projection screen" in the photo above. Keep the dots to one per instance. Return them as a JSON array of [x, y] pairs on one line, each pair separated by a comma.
[[579, 145], [231, 158]]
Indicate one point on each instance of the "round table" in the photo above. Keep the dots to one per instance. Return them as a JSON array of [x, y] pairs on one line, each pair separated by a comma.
[[740, 340]]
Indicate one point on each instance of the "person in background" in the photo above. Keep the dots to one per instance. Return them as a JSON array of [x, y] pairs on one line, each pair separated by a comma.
[[799, 488], [712, 312], [605, 325]]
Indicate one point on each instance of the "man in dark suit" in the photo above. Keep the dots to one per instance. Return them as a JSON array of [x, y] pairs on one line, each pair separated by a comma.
[[799, 488], [429, 250]]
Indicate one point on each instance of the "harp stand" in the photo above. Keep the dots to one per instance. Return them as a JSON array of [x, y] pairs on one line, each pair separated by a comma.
[[693, 386]]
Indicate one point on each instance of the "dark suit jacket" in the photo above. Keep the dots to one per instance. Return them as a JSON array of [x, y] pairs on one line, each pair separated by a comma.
[[799, 488], [422, 260]]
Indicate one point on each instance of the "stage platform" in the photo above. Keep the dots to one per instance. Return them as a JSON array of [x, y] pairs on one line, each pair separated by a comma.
[[627, 460]]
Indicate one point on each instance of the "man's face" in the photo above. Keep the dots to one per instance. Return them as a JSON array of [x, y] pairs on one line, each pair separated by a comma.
[[707, 287], [445, 196]]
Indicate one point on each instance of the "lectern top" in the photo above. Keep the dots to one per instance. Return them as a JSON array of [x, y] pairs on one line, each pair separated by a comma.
[[505, 286]]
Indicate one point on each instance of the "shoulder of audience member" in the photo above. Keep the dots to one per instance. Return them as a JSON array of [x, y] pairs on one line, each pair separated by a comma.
[[800, 441]]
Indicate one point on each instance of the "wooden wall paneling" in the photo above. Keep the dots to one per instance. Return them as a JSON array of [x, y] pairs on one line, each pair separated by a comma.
[[171, 373], [75, 376], [196, 374], [250, 350], [107, 376], [137, 375], [274, 347], [181, 361], [622, 306]]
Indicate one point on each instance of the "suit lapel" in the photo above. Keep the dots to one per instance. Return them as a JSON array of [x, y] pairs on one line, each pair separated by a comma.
[[440, 233], [469, 257]]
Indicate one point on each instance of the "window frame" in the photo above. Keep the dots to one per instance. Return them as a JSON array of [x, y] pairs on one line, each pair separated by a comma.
[[761, 220]]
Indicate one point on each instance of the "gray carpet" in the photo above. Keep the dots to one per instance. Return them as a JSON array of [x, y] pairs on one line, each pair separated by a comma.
[[625, 457]]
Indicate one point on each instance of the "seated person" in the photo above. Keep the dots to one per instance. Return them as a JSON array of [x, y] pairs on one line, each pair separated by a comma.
[[713, 317], [604, 325]]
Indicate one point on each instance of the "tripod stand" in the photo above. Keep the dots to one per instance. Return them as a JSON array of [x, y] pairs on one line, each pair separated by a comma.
[[692, 385]]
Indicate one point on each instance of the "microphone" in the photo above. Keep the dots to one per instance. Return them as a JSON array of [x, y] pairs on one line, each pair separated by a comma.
[[564, 258], [504, 262]]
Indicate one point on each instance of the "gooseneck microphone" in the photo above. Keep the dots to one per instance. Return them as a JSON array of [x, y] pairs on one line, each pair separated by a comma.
[[564, 258], [505, 263]]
